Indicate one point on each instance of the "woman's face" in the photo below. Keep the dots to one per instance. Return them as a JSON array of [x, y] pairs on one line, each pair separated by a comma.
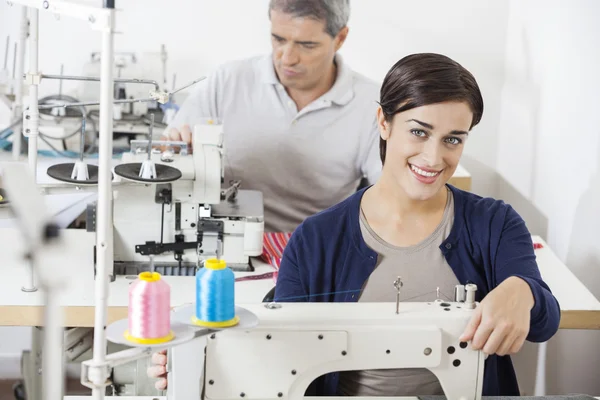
[[424, 146]]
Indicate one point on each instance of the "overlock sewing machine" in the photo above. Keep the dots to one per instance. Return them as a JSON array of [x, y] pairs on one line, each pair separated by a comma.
[[179, 215], [171, 210]]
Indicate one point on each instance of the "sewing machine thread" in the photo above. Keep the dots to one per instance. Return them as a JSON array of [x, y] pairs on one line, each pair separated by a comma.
[[149, 310], [215, 295]]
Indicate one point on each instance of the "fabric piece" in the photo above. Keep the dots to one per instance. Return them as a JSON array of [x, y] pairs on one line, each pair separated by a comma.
[[273, 245]]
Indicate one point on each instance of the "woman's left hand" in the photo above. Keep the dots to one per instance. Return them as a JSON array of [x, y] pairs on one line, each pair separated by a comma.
[[501, 321]]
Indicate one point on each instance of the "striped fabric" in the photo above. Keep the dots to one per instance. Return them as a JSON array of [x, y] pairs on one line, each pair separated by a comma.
[[273, 245]]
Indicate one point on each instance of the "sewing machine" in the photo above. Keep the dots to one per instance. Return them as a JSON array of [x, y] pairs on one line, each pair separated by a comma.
[[181, 221], [286, 346]]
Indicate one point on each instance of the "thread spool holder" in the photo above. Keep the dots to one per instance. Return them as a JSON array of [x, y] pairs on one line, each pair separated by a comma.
[[184, 332], [185, 315], [91, 369]]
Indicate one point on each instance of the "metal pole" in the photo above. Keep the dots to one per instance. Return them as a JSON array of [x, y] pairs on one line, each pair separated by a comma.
[[33, 113], [52, 372], [95, 79], [20, 66], [104, 245], [6, 53]]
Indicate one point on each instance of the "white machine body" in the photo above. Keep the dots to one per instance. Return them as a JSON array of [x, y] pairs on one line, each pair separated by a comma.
[[195, 212], [295, 344]]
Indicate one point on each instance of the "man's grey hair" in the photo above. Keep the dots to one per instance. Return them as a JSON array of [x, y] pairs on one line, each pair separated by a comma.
[[335, 13]]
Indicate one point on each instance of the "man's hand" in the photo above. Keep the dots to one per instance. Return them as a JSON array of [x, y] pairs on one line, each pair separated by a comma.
[[183, 135], [502, 320], [159, 370]]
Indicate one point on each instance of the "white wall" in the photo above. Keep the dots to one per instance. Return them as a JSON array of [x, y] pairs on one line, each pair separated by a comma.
[[538, 120], [201, 34], [549, 156]]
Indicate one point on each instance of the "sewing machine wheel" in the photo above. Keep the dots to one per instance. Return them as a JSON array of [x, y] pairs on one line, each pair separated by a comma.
[[164, 173], [62, 172], [3, 197]]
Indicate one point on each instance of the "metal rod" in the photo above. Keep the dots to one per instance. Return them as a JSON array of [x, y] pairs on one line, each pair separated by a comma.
[[96, 79], [104, 245], [150, 136], [115, 101], [93, 103], [398, 285], [162, 223], [163, 56], [6, 52], [82, 144], [52, 376], [17, 108], [30, 287], [14, 68], [60, 83], [33, 113], [187, 86]]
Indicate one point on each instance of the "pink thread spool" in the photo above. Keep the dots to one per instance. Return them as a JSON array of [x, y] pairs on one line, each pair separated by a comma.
[[149, 310]]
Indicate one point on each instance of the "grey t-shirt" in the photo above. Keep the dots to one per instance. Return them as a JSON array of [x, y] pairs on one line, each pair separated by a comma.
[[423, 269]]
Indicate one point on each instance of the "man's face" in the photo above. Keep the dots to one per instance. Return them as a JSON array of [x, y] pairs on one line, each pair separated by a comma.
[[302, 50]]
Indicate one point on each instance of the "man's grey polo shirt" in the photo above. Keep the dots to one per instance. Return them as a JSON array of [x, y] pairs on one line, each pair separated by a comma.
[[303, 162]]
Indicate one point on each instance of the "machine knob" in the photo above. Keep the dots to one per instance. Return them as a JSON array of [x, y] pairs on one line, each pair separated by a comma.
[[459, 293], [470, 296]]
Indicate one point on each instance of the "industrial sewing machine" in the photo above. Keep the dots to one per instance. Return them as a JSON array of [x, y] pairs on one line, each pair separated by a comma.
[[279, 349], [177, 215], [182, 215]]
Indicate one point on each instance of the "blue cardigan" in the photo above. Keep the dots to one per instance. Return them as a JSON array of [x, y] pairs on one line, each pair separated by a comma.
[[327, 260]]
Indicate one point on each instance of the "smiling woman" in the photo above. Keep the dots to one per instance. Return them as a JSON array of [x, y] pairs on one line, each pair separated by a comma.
[[412, 223], [440, 102]]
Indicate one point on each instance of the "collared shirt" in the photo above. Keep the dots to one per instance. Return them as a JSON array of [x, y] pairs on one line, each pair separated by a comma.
[[302, 161]]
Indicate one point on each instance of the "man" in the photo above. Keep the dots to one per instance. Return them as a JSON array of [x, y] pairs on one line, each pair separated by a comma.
[[299, 124]]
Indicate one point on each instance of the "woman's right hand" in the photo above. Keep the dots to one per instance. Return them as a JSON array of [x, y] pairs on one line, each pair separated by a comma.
[[159, 369]]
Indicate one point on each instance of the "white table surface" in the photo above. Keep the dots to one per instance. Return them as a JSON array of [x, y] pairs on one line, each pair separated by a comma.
[[580, 309], [22, 308]]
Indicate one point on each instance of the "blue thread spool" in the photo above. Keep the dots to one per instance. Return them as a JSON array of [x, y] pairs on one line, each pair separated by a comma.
[[215, 295]]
